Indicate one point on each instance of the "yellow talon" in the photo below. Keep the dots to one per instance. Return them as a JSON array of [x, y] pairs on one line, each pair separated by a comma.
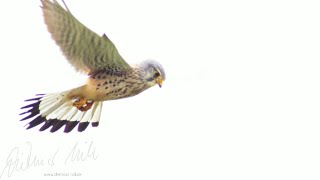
[[83, 104]]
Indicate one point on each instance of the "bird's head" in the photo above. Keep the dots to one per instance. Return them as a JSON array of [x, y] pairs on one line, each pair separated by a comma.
[[153, 72]]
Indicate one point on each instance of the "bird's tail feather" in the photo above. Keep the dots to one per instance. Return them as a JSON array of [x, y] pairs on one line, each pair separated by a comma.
[[56, 110]]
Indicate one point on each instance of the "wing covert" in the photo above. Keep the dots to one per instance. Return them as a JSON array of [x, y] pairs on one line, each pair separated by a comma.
[[85, 50]]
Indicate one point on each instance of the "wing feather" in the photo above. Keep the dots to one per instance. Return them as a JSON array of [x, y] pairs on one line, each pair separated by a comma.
[[85, 50]]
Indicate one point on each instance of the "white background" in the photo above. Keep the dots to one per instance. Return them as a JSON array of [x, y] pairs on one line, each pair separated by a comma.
[[241, 99]]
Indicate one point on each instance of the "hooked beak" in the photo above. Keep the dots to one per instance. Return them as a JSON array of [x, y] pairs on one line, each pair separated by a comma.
[[159, 81]]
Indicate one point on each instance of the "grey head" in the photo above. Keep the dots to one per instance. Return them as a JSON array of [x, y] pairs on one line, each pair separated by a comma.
[[153, 72]]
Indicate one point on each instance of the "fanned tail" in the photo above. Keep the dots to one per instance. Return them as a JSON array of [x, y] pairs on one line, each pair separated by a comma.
[[56, 110]]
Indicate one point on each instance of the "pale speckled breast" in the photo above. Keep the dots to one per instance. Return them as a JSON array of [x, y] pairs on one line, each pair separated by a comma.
[[110, 86]]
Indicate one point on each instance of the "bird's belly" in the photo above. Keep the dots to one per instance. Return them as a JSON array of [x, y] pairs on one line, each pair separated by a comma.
[[114, 89]]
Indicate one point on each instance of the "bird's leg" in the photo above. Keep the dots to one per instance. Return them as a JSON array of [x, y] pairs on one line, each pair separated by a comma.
[[82, 104]]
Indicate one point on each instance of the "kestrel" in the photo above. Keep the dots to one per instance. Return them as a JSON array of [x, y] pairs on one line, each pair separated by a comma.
[[109, 75]]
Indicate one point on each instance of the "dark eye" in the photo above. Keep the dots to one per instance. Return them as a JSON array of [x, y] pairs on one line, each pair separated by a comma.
[[156, 74]]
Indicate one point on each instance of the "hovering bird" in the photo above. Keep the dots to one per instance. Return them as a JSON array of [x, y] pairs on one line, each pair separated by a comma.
[[110, 77]]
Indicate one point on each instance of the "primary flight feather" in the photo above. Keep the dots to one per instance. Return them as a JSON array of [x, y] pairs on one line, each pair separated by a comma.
[[109, 75]]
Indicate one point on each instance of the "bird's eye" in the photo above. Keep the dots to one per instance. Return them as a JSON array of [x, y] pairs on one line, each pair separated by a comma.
[[156, 74]]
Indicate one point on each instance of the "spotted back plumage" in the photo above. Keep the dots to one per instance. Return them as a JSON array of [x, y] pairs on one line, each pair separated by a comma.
[[85, 50]]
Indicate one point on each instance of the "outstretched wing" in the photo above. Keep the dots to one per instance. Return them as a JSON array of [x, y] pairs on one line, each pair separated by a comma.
[[84, 49]]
